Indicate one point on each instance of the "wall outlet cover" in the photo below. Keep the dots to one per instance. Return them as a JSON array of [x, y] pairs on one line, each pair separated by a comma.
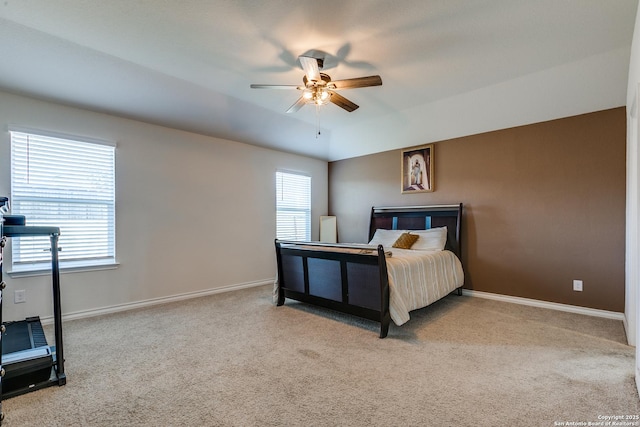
[[19, 296], [577, 285]]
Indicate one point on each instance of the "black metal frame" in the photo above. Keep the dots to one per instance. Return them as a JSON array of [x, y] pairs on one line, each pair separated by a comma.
[[3, 202], [359, 292], [58, 376]]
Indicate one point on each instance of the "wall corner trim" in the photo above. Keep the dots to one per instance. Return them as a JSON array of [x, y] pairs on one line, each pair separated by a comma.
[[545, 304]]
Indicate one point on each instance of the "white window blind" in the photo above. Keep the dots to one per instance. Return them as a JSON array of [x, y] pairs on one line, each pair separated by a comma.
[[65, 183], [293, 206]]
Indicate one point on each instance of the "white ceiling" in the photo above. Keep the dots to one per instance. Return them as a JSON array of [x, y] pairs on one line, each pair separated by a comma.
[[449, 67]]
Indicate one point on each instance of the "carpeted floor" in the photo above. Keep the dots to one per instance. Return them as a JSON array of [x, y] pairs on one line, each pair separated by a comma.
[[234, 359]]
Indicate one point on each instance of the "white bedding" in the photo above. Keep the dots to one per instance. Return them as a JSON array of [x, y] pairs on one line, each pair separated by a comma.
[[419, 278]]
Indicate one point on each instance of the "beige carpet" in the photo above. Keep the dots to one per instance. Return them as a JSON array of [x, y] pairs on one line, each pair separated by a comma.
[[234, 359]]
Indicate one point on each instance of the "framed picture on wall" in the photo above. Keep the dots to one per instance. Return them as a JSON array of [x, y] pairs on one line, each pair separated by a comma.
[[417, 169]]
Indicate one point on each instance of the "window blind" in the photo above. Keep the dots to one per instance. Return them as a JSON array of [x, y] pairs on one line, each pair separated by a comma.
[[293, 206], [65, 183]]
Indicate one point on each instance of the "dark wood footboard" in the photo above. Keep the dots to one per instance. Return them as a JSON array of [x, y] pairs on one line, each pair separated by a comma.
[[353, 283]]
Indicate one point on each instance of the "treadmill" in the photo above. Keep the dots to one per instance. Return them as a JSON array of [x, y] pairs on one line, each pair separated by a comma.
[[28, 362]]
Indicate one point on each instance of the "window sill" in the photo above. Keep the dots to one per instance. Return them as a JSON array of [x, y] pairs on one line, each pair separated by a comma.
[[66, 267]]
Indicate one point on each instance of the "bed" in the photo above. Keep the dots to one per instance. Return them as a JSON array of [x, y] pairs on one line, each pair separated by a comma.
[[377, 281]]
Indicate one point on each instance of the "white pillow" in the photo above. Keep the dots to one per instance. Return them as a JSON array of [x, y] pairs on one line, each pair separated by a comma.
[[433, 239], [386, 238]]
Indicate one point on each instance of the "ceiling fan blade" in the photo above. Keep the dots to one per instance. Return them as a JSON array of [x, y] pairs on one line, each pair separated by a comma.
[[298, 105], [310, 67], [254, 86], [357, 82], [342, 102]]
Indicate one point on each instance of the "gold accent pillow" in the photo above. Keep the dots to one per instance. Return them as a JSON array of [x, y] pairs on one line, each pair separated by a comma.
[[405, 241]]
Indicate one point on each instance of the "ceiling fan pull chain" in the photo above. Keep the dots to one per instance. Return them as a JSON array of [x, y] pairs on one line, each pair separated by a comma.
[[317, 121]]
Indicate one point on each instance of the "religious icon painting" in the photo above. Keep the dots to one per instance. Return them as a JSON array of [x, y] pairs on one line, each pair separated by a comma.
[[417, 169]]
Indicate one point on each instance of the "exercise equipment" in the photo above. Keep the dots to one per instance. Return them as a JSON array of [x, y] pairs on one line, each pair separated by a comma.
[[28, 362]]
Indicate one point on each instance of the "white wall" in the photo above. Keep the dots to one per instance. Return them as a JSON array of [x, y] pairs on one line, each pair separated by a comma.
[[631, 249], [633, 199], [193, 213]]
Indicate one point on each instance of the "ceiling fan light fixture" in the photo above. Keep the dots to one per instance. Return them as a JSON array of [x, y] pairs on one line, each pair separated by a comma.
[[318, 88], [316, 95], [322, 98]]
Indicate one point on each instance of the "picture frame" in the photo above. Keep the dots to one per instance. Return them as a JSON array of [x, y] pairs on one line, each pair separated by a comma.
[[418, 169]]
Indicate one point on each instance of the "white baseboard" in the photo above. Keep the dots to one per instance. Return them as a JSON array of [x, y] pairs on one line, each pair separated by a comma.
[[631, 340], [188, 295], [545, 304], [153, 301]]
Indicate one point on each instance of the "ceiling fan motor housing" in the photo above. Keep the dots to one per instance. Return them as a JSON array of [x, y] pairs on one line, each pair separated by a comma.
[[324, 80]]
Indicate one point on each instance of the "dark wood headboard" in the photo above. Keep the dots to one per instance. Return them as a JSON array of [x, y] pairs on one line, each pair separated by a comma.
[[420, 218]]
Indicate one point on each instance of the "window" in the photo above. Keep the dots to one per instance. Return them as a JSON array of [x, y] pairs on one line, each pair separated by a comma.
[[293, 206], [67, 183]]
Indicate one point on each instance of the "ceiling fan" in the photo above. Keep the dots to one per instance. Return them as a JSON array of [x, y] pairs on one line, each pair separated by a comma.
[[319, 89]]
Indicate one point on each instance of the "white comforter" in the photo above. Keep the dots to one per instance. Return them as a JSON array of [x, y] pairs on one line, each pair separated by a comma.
[[419, 278]]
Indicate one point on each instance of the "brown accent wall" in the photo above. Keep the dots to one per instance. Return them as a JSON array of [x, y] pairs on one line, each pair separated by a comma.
[[543, 204]]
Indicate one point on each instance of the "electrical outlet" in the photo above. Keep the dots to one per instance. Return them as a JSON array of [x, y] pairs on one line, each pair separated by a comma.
[[19, 296], [577, 285]]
